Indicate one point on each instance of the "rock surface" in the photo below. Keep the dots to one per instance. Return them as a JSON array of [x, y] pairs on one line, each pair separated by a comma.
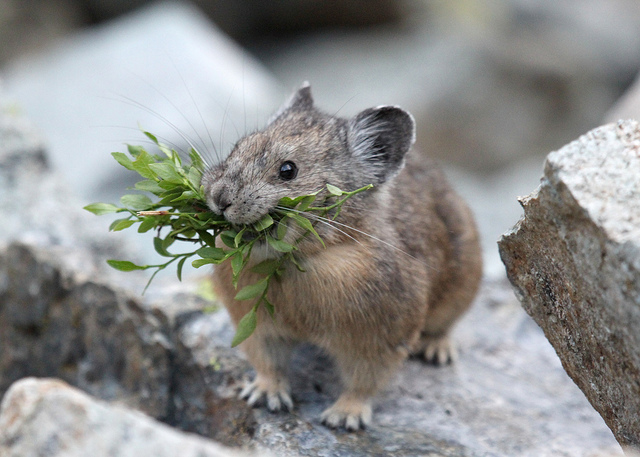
[[508, 394], [574, 260], [628, 106], [47, 417], [63, 315]]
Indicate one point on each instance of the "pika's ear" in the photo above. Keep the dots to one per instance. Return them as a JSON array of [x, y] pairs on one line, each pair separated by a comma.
[[380, 138], [299, 101], [302, 99]]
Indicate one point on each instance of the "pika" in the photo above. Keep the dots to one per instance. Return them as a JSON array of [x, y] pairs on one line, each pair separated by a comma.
[[398, 271]]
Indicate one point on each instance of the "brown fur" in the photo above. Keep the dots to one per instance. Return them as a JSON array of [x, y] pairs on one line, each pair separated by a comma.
[[368, 300]]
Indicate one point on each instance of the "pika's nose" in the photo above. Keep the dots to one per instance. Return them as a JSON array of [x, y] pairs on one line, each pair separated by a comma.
[[222, 201]]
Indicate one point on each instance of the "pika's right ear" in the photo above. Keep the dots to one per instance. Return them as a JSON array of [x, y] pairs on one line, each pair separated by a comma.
[[380, 138], [301, 100]]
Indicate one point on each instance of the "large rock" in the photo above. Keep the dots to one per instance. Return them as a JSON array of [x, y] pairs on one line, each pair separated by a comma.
[[574, 260], [52, 323], [166, 68], [47, 417]]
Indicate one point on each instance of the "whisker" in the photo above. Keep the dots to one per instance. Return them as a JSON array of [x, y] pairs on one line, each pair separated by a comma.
[[330, 221], [198, 110], [143, 139], [139, 105], [319, 219]]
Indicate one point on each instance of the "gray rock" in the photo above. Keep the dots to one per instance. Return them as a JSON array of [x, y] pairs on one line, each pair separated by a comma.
[[574, 260], [53, 323], [166, 68], [628, 106], [47, 417], [508, 394], [37, 204]]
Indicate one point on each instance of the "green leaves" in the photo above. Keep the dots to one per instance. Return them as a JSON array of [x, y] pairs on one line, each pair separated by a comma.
[[172, 202], [246, 326], [124, 265], [333, 190], [137, 202], [263, 224], [166, 171], [102, 208], [252, 290]]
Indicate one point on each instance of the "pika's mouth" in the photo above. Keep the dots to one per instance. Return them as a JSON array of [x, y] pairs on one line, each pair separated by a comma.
[[248, 236]]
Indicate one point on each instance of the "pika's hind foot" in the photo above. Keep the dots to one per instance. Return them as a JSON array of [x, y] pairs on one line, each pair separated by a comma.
[[351, 414], [275, 393], [437, 350]]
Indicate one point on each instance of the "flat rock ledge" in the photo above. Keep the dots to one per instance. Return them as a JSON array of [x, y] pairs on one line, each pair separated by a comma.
[[48, 417], [574, 261]]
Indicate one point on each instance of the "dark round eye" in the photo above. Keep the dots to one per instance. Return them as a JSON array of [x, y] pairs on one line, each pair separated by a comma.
[[288, 171]]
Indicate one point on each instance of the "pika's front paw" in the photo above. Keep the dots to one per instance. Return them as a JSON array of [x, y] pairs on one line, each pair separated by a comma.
[[274, 393], [439, 351], [351, 414]]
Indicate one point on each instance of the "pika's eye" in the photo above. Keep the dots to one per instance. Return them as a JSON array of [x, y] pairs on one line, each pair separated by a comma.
[[288, 171]]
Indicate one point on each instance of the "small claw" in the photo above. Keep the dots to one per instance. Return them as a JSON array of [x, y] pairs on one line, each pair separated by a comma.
[[275, 395], [246, 391], [353, 423], [440, 352], [255, 397], [355, 419]]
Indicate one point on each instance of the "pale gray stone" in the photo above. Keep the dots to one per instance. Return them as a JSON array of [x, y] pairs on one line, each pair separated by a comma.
[[574, 260], [47, 417]]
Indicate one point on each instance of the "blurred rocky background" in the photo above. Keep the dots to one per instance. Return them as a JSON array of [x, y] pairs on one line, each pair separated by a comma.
[[493, 85]]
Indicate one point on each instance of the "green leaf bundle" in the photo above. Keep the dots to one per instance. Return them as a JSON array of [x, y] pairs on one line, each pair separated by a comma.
[[173, 204]]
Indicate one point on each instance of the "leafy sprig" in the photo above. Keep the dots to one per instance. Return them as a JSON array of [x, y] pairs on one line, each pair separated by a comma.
[[177, 210]]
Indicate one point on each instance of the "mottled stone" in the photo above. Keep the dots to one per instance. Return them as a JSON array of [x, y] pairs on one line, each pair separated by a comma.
[[47, 417], [89, 334], [574, 260]]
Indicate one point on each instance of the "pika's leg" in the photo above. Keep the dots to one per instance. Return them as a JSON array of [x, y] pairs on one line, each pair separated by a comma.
[[362, 378], [436, 345], [457, 284], [269, 355], [437, 350], [446, 308]]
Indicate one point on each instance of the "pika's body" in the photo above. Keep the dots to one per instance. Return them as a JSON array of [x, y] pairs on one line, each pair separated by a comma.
[[401, 265]]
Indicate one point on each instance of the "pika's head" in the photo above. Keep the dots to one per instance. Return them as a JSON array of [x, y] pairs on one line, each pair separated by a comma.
[[301, 150]]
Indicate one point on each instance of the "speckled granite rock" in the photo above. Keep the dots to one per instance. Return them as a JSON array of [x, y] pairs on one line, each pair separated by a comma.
[[574, 260]]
